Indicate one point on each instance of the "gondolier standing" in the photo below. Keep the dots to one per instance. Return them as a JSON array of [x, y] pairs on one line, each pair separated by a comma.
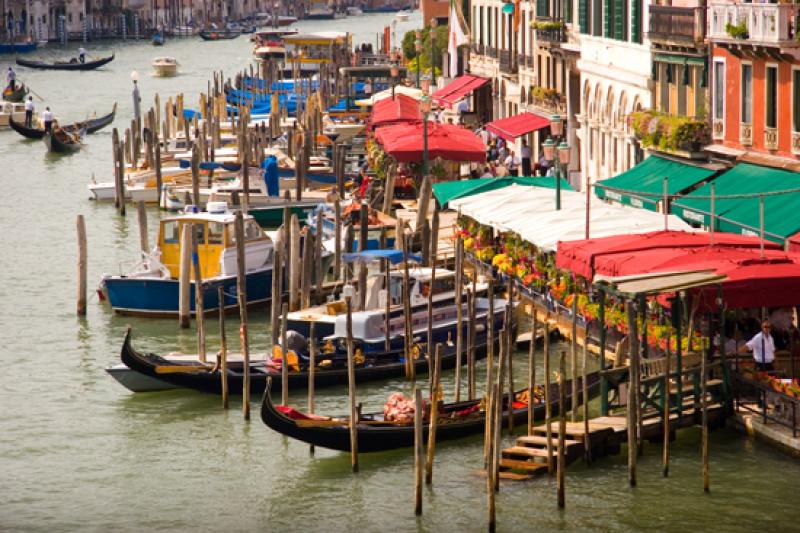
[[82, 54], [29, 112], [137, 99], [47, 118], [11, 78]]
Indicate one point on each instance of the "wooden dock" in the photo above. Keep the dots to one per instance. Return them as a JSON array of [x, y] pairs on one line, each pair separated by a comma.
[[529, 457]]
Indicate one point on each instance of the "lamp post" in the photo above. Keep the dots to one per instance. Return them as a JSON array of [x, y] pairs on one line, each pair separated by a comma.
[[560, 160], [418, 49], [394, 70], [425, 107]]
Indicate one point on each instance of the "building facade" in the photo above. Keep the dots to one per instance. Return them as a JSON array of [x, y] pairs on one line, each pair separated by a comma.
[[755, 79]]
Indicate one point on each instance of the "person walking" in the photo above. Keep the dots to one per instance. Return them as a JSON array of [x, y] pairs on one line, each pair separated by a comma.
[[525, 155], [763, 347], [47, 118], [29, 109]]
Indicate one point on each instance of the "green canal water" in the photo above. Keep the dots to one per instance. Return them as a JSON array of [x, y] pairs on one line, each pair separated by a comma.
[[79, 452]]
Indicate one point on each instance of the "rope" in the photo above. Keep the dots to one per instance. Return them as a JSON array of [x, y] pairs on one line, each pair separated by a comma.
[[693, 197]]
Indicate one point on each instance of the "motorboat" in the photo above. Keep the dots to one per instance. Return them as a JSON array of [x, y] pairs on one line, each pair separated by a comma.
[[151, 286], [402, 16], [165, 66], [9, 109]]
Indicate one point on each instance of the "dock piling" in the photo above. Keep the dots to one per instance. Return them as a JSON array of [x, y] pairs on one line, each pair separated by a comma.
[[418, 453], [434, 398], [184, 274], [562, 428], [351, 383], [199, 309], [241, 289], [82, 265], [223, 347]]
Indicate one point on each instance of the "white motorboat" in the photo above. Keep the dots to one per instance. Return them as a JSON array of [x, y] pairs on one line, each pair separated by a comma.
[[402, 16], [165, 66], [354, 11], [8, 109]]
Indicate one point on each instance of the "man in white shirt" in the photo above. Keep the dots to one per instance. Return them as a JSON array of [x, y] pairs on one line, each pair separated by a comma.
[[512, 163], [763, 348], [29, 112], [82, 54], [47, 118]]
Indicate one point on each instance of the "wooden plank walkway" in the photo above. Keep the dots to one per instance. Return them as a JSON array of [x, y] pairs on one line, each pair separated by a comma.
[[529, 456]]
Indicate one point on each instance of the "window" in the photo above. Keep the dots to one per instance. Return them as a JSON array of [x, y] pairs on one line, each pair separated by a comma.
[[747, 93], [171, 234], [719, 90], [216, 232], [796, 100], [772, 97], [597, 20]]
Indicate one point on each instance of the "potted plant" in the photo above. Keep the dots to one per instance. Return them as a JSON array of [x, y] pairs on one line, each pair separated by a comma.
[[738, 30]]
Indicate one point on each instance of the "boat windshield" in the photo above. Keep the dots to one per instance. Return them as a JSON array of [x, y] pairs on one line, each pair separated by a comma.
[[171, 233], [439, 286], [252, 231]]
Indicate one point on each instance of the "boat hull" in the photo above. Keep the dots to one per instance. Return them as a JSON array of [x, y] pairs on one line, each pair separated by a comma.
[[271, 217], [136, 381], [89, 65], [159, 297]]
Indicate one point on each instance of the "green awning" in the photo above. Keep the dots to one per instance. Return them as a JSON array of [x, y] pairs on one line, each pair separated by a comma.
[[643, 185], [742, 215], [451, 190], [679, 59]]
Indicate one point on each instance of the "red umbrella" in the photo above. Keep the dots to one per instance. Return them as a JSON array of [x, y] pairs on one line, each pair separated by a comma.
[[581, 256], [400, 109], [447, 141]]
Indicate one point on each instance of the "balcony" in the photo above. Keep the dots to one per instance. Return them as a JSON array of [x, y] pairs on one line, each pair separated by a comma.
[[771, 138], [508, 64], [677, 25], [745, 134], [770, 25], [549, 31]]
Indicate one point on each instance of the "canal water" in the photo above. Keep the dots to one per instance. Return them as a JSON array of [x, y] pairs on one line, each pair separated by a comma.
[[79, 452]]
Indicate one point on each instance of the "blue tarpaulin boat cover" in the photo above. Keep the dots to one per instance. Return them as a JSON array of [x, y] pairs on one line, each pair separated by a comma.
[[394, 256], [189, 114], [270, 166]]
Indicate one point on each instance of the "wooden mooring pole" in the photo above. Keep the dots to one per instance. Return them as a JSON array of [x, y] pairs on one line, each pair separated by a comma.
[[351, 383], [548, 408], [532, 368], [284, 355], [434, 398], [82, 265], [199, 308], [459, 312], [573, 365], [241, 290], [666, 406], [562, 428], [631, 407], [223, 347], [312, 370], [184, 276], [419, 458]]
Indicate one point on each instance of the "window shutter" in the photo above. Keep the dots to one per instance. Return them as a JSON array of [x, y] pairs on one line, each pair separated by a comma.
[[619, 20], [568, 11], [607, 6], [636, 21], [583, 15], [542, 8]]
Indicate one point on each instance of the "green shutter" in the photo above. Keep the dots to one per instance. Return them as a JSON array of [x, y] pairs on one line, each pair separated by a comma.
[[583, 15], [542, 8], [607, 6], [619, 19], [568, 11], [636, 21]]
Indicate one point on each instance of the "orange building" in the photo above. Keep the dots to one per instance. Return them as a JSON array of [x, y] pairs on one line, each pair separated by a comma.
[[755, 79], [435, 8]]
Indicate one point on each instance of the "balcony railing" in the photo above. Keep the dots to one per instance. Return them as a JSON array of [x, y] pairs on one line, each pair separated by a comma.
[[677, 24], [758, 24], [550, 30], [508, 65]]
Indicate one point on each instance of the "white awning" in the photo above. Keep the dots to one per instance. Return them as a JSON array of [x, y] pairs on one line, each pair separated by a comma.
[[531, 213]]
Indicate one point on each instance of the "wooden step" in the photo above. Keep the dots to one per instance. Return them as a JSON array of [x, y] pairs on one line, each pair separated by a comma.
[[526, 451], [533, 440], [515, 464], [513, 476]]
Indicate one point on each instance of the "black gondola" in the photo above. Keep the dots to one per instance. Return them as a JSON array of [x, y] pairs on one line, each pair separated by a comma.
[[91, 125], [455, 420], [64, 142], [218, 35], [17, 95], [205, 378], [73, 64]]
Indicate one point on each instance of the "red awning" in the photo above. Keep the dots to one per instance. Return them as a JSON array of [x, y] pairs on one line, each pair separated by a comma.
[[581, 256], [405, 142], [458, 89], [510, 128], [401, 108]]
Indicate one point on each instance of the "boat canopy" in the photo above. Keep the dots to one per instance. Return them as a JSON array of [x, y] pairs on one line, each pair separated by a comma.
[[394, 256]]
